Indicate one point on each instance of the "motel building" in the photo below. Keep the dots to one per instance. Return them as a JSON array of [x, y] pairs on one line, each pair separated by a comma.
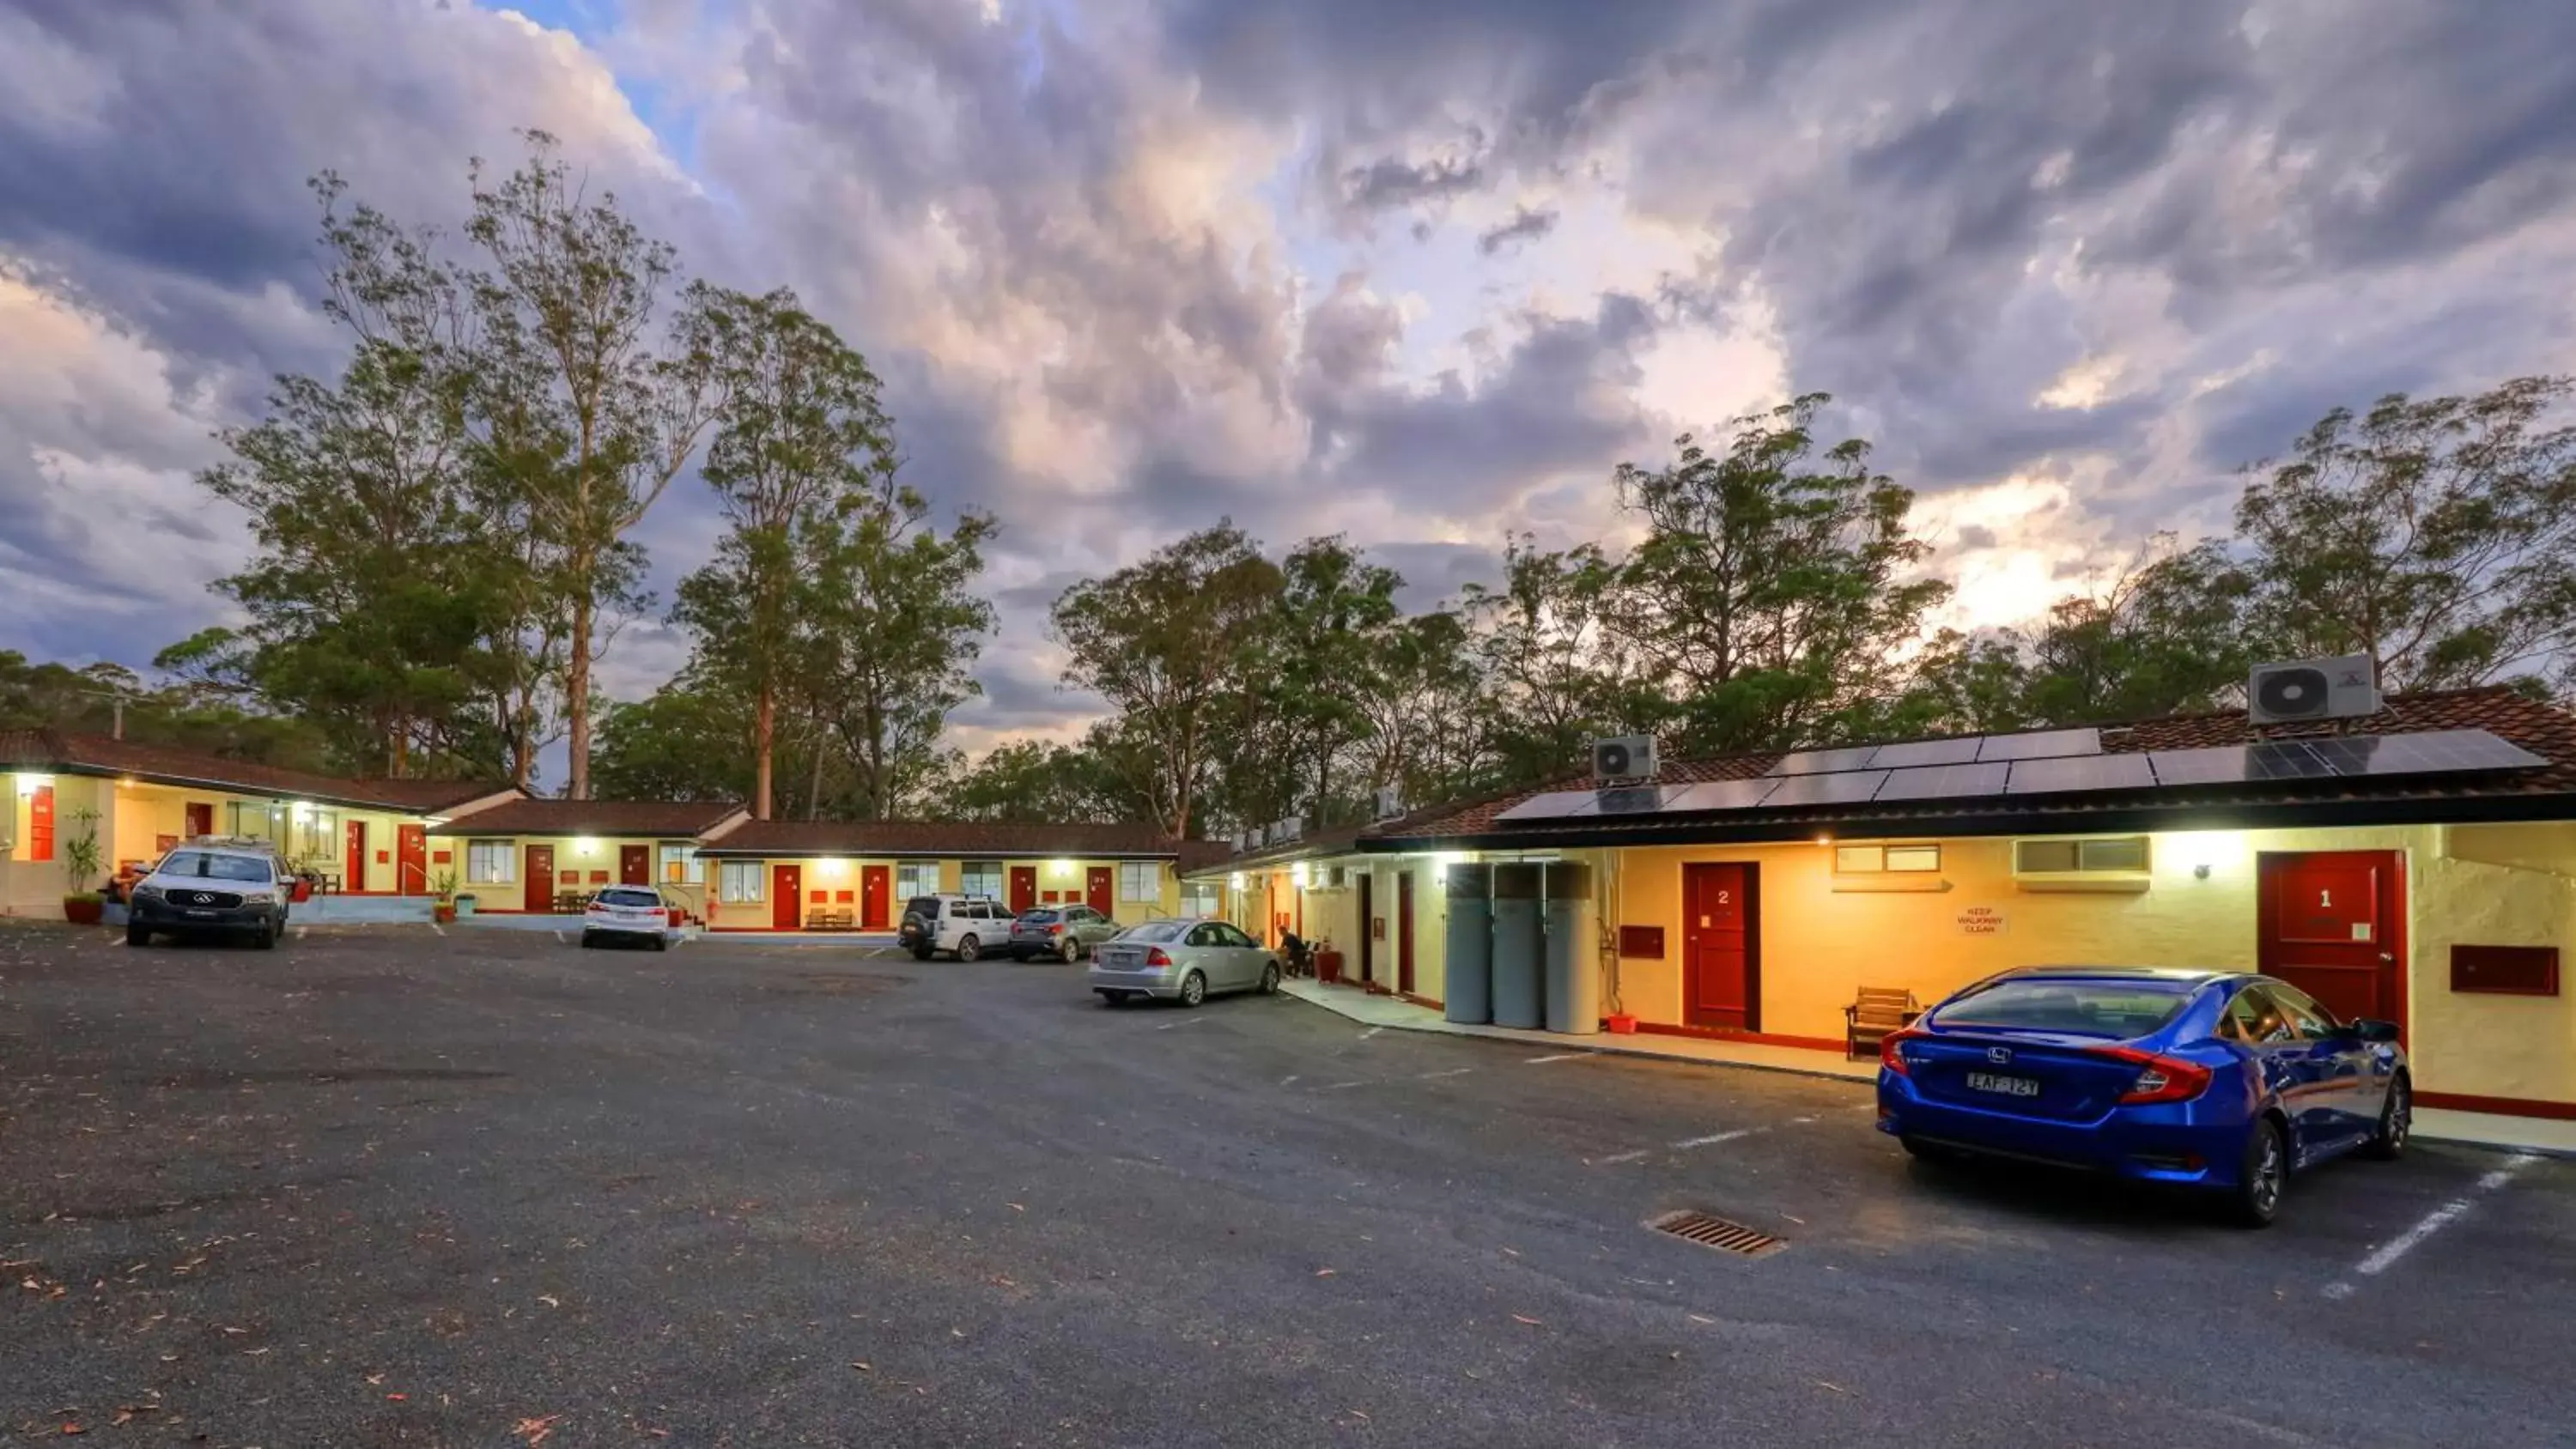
[[541, 857], [783, 875], [362, 837], [2416, 864]]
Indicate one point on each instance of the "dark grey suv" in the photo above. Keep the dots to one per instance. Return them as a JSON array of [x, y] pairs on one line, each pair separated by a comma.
[[1068, 933], [210, 890]]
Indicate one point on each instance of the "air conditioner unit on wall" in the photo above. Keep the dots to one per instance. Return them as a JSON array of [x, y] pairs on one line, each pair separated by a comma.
[[1627, 757], [2345, 687]]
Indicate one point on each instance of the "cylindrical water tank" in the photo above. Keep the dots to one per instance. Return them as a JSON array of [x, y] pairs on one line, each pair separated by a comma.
[[1519, 971], [1573, 949], [1467, 982]]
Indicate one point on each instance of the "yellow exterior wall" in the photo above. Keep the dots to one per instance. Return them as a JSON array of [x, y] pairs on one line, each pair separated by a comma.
[[1820, 943], [135, 816], [583, 853]]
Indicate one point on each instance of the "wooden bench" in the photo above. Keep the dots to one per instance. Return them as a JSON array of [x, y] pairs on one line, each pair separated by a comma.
[[1878, 1012]]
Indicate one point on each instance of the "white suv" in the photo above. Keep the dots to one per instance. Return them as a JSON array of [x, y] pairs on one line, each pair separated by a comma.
[[211, 887], [965, 925], [634, 913]]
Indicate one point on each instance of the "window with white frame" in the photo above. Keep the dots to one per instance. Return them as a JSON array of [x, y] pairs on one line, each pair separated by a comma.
[[740, 880], [1887, 859], [255, 820], [1202, 898], [679, 864], [981, 878], [491, 862], [916, 878], [1140, 881]]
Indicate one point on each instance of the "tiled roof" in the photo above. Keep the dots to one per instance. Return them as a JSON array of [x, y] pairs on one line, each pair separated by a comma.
[[953, 839], [86, 754], [2545, 792], [661, 819]]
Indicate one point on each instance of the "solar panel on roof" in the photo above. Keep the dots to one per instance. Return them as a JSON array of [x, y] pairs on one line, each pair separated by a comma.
[[2439, 752], [2044, 745], [2083, 772], [1548, 806], [2217, 765], [1944, 782], [1926, 752], [1819, 762], [1627, 800], [1843, 787], [1722, 795], [2285, 760]]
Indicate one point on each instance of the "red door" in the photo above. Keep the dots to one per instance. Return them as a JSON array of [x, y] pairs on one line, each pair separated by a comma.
[[876, 888], [1404, 931], [201, 818], [634, 865], [1100, 888], [786, 896], [355, 883], [1024, 888], [411, 860], [40, 827], [2333, 924], [1722, 974], [538, 887]]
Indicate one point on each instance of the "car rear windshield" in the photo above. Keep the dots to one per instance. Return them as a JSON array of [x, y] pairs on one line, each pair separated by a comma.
[[1039, 918], [2118, 1009], [926, 907], [206, 865], [1155, 931], [629, 898]]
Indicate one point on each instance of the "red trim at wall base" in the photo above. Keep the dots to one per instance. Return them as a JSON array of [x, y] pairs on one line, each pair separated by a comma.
[[1835, 1045], [2501, 1106], [1425, 1001]]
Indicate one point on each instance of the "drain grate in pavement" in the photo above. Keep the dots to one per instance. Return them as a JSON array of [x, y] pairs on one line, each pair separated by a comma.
[[1718, 1233]]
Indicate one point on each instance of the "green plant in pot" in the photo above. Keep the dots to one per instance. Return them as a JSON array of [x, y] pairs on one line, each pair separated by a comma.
[[442, 887], [82, 860]]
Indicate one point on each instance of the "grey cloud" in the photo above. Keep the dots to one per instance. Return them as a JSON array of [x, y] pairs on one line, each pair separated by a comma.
[[1527, 224], [1390, 182]]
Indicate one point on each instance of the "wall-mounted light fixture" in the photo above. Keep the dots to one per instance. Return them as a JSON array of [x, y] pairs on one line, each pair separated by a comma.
[[585, 845], [1299, 874]]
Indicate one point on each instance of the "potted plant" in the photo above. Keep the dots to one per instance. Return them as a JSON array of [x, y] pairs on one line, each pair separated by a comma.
[[443, 888], [302, 888], [83, 906]]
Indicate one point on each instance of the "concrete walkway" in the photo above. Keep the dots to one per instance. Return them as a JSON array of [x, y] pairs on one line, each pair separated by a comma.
[[1402, 1015], [2432, 1124]]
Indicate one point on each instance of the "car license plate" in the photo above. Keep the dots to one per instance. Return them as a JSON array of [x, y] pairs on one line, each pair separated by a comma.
[[202, 915], [2006, 1086]]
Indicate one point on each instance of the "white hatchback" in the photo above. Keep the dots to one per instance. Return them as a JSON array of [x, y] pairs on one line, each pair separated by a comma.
[[635, 913]]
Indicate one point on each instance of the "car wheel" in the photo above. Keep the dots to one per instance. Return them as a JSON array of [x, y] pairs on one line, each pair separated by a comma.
[[921, 953], [1114, 998], [266, 940], [137, 934], [661, 943], [2262, 1177], [1193, 989], [588, 941], [2396, 1122], [1270, 978], [1922, 1151], [968, 948], [1071, 951]]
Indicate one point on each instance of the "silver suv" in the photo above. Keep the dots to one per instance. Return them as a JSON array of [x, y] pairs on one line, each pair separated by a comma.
[[211, 887], [967, 926]]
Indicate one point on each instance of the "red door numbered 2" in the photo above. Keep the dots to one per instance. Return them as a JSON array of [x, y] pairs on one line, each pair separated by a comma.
[[1722, 967]]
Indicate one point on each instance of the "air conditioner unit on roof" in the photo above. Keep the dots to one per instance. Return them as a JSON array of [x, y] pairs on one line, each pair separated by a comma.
[[1390, 803], [2345, 687], [1624, 758]]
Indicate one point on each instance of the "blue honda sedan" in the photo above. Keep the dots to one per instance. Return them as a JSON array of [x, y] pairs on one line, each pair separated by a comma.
[[2214, 1080]]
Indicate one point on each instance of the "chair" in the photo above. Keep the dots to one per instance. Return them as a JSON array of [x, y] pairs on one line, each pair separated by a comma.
[[1877, 1013]]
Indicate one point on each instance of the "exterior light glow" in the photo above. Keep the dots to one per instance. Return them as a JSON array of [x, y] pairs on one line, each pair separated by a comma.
[[586, 845], [1299, 874]]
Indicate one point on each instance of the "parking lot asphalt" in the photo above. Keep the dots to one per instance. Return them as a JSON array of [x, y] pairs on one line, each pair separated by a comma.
[[384, 1186]]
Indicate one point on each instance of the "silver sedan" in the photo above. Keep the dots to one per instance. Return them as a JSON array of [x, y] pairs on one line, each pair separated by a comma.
[[1185, 961]]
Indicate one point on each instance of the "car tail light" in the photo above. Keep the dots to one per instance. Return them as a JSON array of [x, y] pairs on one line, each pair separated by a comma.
[[1157, 957], [2160, 1078], [1889, 1055], [1056, 929]]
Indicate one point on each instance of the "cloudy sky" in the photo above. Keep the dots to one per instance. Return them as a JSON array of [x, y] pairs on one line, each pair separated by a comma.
[[1418, 271]]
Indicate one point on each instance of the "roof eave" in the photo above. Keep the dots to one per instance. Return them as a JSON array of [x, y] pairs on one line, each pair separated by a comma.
[[2241, 815]]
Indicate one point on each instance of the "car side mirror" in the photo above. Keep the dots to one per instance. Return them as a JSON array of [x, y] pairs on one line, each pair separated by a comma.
[[2375, 1031]]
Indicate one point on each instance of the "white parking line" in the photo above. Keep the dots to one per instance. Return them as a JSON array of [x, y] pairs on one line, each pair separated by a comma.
[[1193, 1021], [2433, 1222], [559, 938], [1284, 1081], [1559, 1057], [1617, 1157], [434, 927], [1342, 1086], [1715, 1138], [1372, 1031], [1455, 1072]]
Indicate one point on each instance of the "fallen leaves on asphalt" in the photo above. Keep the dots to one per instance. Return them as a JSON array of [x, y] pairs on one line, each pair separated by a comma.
[[536, 1431]]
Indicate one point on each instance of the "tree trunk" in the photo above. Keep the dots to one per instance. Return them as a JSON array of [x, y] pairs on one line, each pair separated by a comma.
[[764, 734], [814, 792], [577, 685]]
